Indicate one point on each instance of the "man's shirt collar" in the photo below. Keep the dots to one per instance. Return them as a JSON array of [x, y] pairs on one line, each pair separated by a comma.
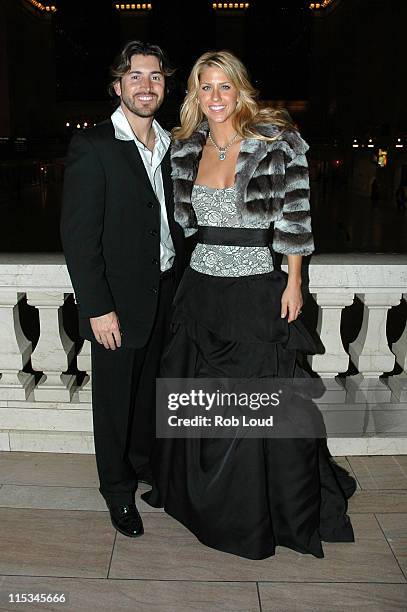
[[123, 131]]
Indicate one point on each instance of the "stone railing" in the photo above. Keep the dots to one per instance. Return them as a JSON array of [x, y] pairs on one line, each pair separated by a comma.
[[43, 408]]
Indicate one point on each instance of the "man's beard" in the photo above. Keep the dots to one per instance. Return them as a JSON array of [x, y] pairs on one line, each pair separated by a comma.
[[141, 111]]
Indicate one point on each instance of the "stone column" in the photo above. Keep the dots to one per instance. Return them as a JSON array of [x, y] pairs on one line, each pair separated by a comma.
[[398, 383], [335, 359], [15, 350], [84, 364], [54, 351], [370, 352]]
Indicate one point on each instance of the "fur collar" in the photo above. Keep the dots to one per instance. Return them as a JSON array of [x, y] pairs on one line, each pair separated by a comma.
[[289, 141]]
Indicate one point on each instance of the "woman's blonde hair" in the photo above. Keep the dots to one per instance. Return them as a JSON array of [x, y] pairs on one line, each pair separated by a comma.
[[248, 111]]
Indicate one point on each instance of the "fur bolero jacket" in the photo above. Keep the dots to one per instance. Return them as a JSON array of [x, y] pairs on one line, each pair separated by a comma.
[[271, 183]]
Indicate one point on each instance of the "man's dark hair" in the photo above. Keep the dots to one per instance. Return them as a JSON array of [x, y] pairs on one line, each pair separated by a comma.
[[122, 62]]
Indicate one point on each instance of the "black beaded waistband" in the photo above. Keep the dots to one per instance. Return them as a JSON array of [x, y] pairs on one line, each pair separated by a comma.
[[234, 236]]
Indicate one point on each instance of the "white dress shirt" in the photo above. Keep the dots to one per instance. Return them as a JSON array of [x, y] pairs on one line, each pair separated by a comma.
[[152, 163]]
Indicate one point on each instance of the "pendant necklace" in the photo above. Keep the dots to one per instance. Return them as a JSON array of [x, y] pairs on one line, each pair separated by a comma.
[[222, 150]]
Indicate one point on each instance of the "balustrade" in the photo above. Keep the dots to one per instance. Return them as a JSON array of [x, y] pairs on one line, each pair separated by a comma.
[[55, 411]]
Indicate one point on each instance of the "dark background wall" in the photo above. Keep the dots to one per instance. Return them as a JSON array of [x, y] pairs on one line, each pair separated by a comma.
[[345, 64], [340, 71], [350, 57]]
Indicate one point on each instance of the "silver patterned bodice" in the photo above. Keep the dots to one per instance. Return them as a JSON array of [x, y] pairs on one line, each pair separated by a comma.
[[217, 207]]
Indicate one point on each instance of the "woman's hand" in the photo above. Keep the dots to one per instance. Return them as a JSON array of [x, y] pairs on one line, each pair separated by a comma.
[[291, 301]]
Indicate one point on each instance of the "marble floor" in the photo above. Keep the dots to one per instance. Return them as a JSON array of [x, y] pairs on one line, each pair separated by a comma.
[[56, 537]]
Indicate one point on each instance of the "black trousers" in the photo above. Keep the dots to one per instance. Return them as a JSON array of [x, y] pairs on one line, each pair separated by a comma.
[[123, 400]]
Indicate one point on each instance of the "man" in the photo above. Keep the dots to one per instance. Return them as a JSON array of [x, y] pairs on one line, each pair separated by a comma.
[[124, 253]]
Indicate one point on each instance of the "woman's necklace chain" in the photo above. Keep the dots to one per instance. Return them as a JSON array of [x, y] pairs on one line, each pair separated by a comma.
[[222, 150]]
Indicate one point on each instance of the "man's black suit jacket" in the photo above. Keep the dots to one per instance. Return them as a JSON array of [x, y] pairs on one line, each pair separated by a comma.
[[110, 229]]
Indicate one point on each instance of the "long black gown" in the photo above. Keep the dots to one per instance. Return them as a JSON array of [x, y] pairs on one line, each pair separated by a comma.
[[245, 495]]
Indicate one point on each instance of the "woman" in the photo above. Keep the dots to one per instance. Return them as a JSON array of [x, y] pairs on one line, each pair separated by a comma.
[[237, 169]]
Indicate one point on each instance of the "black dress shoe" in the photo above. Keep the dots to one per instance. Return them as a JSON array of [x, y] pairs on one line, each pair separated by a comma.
[[127, 520]]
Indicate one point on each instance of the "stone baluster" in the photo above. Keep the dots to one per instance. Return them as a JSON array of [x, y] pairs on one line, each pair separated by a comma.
[[334, 359], [15, 350], [370, 352], [84, 364], [54, 351], [398, 383]]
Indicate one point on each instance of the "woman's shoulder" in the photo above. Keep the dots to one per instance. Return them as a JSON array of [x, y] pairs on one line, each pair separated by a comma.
[[192, 145], [198, 134], [289, 139]]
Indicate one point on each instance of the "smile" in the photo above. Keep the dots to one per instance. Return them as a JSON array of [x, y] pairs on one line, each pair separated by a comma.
[[217, 109], [145, 98]]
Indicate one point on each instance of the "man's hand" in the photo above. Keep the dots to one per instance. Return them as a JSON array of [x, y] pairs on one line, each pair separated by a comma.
[[106, 330]]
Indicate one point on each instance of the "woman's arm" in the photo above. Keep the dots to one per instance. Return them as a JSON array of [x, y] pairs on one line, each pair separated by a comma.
[[292, 231]]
